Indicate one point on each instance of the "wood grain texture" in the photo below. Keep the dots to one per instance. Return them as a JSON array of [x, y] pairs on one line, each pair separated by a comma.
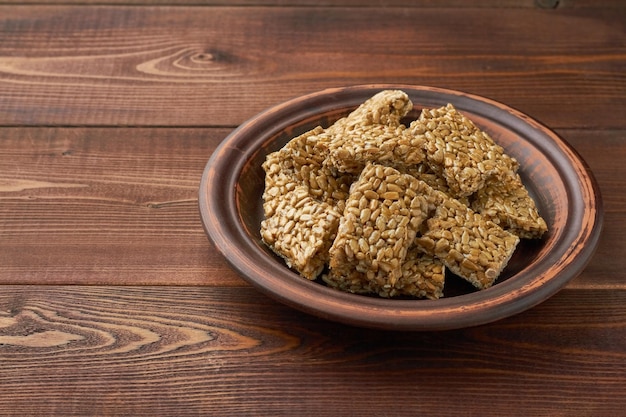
[[105, 206], [108, 114], [186, 351], [458, 4], [231, 209], [120, 206], [218, 66]]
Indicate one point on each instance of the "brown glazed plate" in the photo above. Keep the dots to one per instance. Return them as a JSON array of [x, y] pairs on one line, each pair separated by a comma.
[[230, 202]]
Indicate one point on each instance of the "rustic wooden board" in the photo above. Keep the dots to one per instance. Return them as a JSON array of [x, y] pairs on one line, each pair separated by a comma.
[[113, 301], [105, 206], [120, 206], [458, 4], [231, 352], [218, 66]]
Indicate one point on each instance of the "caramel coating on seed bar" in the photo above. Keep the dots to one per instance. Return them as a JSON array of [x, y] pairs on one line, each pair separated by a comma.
[[379, 224], [373, 133], [422, 276], [302, 162], [354, 147], [386, 107], [301, 230], [424, 173], [468, 245], [507, 203], [459, 151]]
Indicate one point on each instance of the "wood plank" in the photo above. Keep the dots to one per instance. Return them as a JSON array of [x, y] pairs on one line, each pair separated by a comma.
[[118, 206], [462, 4], [217, 66], [606, 268], [106, 206], [301, 3], [231, 352]]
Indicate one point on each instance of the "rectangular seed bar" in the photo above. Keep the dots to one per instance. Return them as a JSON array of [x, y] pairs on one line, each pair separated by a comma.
[[424, 173], [422, 276], [302, 162], [379, 224], [301, 231], [507, 203], [278, 183], [373, 133], [349, 280], [386, 107], [468, 245], [352, 148], [459, 151]]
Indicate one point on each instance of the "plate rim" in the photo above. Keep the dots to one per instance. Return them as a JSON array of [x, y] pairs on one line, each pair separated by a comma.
[[496, 301]]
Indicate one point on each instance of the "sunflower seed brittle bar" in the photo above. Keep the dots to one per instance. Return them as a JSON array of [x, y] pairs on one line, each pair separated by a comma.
[[423, 276], [386, 107], [301, 230], [424, 173], [278, 183], [354, 147], [507, 203], [302, 162], [459, 151], [468, 245], [379, 224], [373, 133]]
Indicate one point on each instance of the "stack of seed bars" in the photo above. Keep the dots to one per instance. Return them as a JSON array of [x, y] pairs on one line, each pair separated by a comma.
[[373, 206]]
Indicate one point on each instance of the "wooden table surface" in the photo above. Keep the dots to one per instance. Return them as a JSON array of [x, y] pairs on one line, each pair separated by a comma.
[[114, 302]]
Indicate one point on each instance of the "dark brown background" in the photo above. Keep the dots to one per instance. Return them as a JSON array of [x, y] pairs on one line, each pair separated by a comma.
[[113, 301]]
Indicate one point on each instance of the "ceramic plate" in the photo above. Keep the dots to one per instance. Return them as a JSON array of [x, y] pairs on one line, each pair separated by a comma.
[[567, 196]]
